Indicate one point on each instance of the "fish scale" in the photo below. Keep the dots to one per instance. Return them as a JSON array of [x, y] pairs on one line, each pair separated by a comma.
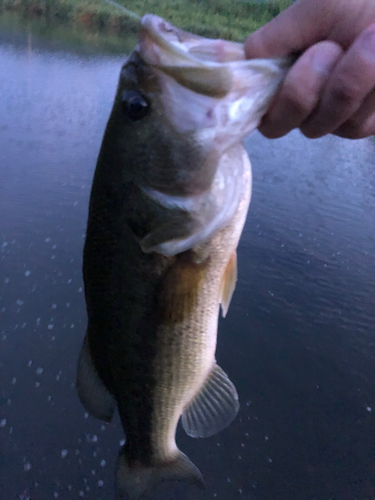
[[168, 204]]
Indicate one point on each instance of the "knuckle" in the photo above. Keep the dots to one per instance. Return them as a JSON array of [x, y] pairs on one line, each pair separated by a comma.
[[297, 101], [345, 92]]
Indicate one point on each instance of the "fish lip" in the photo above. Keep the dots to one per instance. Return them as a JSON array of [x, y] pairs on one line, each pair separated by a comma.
[[155, 30], [192, 60]]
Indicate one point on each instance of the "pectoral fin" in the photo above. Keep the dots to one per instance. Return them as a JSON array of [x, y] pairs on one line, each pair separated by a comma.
[[180, 289], [214, 408], [228, 283], [93, 394]]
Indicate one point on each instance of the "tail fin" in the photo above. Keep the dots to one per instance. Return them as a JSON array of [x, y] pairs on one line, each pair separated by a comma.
[[133, 482]]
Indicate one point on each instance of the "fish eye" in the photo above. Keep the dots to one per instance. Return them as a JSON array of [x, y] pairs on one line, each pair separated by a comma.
[[134, 104]]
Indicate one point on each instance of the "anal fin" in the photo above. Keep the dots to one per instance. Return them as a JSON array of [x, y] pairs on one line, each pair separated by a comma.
[[214, 407], [92, 392], [228, 283]]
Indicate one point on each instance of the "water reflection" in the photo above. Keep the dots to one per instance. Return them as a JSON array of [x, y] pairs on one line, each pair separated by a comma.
[[298, 342]]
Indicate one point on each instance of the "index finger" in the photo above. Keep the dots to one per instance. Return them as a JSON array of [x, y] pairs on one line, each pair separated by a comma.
[[298, 27], [307, 22]]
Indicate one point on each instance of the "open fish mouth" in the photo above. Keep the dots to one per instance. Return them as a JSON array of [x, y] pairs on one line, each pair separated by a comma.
[[210, 67]]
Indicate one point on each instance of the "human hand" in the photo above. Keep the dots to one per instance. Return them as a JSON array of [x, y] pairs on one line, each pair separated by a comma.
[[331, 87]]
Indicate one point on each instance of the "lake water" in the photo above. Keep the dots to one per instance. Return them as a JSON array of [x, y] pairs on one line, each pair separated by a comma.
[[298, 341]]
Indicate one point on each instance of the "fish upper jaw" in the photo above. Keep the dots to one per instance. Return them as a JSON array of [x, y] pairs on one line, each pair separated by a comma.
[[184, 47]]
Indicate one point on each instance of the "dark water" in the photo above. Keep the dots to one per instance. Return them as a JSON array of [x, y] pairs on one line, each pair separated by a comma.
[[298, 342]]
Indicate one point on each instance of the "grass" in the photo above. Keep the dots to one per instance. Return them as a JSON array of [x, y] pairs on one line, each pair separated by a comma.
[[229, 19]]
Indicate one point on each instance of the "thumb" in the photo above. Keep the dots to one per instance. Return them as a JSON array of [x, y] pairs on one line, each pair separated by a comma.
[[298, 27]]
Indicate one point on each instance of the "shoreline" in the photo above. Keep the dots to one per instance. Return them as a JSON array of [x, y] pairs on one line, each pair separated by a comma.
[[231, 20]]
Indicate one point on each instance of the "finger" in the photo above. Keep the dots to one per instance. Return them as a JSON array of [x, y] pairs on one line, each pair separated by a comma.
[[350, 82], [306, 22], [362, 123], [295, 29], [301, 90]]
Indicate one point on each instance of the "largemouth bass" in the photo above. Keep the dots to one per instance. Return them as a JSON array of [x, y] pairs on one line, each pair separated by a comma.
[[168, 204]]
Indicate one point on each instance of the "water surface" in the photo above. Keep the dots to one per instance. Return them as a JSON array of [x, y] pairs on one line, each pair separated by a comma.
[[298, 341]]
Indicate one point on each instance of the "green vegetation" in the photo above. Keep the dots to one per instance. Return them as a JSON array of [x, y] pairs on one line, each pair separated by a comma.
[[15, 28], [229, 19]]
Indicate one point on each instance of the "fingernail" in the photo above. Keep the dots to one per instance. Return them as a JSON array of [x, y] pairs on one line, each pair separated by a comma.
[[323, 61]]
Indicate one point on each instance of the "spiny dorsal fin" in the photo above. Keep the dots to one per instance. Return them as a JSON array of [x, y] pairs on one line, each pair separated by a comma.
[[228, 283], [214, 407], [137, 481]]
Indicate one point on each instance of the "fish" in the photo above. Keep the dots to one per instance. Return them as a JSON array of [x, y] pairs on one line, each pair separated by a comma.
[[169, 199]]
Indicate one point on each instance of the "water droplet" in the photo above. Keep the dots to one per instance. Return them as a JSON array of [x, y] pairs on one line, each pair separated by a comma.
[[27, 466], [27, 273], [39, 370], [102, 463], [3, 422], [64, 453], [100, 483], [368, 408]]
